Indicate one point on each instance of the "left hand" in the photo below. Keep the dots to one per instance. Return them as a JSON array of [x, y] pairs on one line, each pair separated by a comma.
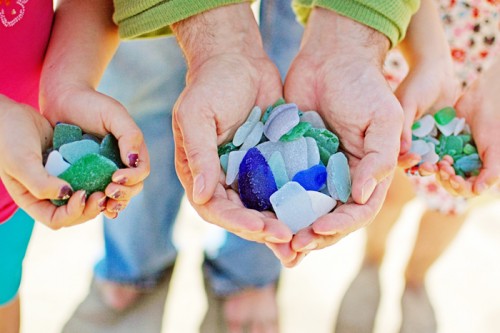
[[340, 76]]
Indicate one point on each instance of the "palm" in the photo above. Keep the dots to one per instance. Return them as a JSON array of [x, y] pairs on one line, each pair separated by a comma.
[[218, 98], [358, 105]]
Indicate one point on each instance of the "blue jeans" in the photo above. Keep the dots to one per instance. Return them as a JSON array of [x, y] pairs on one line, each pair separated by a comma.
[[138, 244]]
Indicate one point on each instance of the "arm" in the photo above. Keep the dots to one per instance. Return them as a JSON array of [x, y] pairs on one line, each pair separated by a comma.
[[431, 83], [24, 176], [82, 43], [228, 73], [338, 72]]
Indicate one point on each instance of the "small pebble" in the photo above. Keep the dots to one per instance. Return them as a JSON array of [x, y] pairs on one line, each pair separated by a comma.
[[322, 204], [65, 133], [110, 149], [75, 150], [256, 182], [233, 165], [281, 120], [253, 137], [339, 177], [277, 165], [313, 118], [56, 164], [293, 206], [312, 179], [424, 126]]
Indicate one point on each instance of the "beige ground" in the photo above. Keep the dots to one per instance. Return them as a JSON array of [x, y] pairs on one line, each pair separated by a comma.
[[464, 284]]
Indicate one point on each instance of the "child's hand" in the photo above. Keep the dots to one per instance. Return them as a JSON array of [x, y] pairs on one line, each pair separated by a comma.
[[99, 114], [429, 86], [479, 106], [24, 134]]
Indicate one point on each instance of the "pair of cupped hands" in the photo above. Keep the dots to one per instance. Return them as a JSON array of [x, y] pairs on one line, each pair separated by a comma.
[[338, 73]]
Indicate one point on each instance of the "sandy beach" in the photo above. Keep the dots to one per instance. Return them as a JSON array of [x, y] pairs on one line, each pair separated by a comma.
[[463, 284]]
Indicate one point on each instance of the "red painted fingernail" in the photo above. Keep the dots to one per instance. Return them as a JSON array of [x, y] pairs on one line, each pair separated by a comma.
[[133, 160], [65, 192]]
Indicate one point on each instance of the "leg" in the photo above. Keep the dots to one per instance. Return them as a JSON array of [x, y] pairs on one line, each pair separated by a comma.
[[240, 281], [360, 303], [15, 234], [132, 277], [436, 232]]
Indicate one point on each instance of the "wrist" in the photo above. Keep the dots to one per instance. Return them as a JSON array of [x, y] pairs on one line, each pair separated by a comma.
[[223, 30], [329, 33]]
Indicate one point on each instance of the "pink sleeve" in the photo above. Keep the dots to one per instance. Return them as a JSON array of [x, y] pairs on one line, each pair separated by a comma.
[[24, 34]]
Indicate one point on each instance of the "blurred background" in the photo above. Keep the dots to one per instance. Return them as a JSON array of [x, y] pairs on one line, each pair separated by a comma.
[[463, 284]]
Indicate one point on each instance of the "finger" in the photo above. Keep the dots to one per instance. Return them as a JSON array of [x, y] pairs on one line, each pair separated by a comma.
[[408, 160], [136, 174], [123, 193], [351, 216], [380, 160], [199, 142], [70, 213], [490, 171], [461, 186], [35, 179], [283, 252], [427, 169]]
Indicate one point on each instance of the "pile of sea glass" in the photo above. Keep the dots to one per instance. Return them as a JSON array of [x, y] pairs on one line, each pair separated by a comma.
[[83, 160], [288, 162], [433, 137]]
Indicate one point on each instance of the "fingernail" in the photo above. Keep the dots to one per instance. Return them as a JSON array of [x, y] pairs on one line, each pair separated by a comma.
[[118, 208], [444, 175], [83, 198], [272, 239], [120, 180], [65, 193], [480, 188], [133, 160], [199, 185], [454, 184], [311, 246], [102, 203], [116, 194], [367, 190]]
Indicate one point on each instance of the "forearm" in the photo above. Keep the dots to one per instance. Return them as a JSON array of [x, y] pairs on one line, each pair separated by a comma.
[[83, 42], [329, 34], [426, 39], [149, 18], [224, 30], [390, 18]]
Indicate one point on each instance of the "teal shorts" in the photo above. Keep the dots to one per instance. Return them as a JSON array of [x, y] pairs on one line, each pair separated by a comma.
[[15, 235]]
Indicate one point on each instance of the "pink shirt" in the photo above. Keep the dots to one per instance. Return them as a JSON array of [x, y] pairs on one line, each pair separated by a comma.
[[24, 33]]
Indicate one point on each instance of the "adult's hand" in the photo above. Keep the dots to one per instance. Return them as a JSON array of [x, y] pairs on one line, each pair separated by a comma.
[[338, 72], [228, 74]]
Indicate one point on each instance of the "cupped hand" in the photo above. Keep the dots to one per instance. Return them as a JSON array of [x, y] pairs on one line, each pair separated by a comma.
[[99, 115], [341, 77], [479, 106], [24, 135], [226, 79]]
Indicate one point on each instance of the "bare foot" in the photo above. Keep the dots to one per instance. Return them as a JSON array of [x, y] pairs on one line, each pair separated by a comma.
[[251, 310], [256, 309], [418, 313], [359, 307], [117, 296]]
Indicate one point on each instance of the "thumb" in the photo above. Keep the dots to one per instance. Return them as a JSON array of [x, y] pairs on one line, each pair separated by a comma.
[[33, 177], [198, 141], [381, 147]]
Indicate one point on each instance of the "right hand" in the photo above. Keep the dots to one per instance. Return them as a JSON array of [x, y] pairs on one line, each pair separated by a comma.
[[24, 134], [228, 74]]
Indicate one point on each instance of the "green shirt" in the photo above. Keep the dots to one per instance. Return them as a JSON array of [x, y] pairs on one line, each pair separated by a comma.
[[150, 18], [390, 17]]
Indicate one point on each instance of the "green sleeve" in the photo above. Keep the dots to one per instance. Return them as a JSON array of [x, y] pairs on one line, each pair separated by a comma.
[[389, 17], [152, 18]]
